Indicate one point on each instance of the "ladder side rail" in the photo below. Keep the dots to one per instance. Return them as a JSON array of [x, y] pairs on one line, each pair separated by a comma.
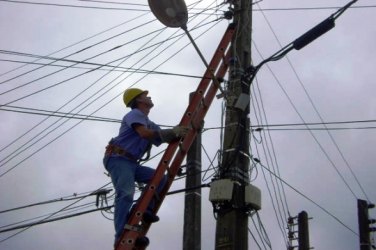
[[213, 89], [210, 71], [148, 194], [188, 140]]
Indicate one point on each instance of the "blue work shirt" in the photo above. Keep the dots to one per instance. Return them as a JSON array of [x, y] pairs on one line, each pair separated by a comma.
[[129, 140]]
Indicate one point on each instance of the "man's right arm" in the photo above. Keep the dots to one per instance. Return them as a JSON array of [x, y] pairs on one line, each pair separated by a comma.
[[166, 135], [144, 132]]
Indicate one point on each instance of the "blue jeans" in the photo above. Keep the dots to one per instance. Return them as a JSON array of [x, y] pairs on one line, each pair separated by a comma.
[[124, 173]]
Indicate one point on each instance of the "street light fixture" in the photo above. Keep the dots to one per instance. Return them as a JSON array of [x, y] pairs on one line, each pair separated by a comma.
[[172, 13]]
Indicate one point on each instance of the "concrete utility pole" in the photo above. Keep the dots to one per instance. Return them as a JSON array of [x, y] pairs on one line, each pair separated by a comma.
[[232, 218], [365, 224], [192, 210], [303, 233]]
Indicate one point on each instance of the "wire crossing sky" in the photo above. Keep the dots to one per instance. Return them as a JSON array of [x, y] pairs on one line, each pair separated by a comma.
[[65, 65]]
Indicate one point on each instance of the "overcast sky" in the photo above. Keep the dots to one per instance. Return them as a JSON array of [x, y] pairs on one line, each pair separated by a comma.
[[45, 158]]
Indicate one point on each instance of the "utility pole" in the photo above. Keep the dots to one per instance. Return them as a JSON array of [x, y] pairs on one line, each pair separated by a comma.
[[192, 209], [364, 224], [303, 233], [232, 217]]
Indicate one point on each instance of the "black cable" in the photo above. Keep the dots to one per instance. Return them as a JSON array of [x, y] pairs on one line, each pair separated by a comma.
[[76, 63], [74, 6], [255, 128], [66, 198], [312, 134], [50, 220], [77, 95], [76, 43], [48, 217], [270, 154], [49, 113], [104, 67], [314, 8], [80, 121], [313, 202], [258, 231], [278, 215], [89, 71], [58, 110], [88, 7]]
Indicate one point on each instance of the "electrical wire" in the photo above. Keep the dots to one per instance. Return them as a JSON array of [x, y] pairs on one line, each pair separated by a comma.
[[280, 202], [89, 71], [103, 68], [147, 10], [271, 152], [278, 215], [55, 138], [258, 232], [309, 199], [254, 128], [76, 63], [254, 238], [62, 199], [11, 168], [46, 218], [301, 117], [74, 6], [263, 231], [74, 44], [315, 108], [72, 212], [115, 60]]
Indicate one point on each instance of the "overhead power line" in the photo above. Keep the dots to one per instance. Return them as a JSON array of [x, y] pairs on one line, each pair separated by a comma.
[[141, 6], [93, 100], [107, 67], [257, 127], [314, 106], [67, 198], [306, 197], [49, 219], [75, 6], [313, 8], [79, 42], [52, 220]]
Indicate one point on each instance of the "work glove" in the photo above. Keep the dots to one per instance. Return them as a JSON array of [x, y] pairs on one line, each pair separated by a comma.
[[169, 135], [180, 131]]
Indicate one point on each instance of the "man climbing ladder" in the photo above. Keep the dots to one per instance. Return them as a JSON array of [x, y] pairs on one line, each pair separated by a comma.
[[123, 153], [152, 197]]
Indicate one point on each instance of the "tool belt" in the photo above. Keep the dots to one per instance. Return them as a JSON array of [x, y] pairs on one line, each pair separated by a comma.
[[113, 149]]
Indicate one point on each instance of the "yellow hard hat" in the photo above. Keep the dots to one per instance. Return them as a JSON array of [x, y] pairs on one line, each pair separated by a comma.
[[130, 94]]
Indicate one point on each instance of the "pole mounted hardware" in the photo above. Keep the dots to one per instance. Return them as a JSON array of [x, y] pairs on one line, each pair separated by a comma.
[[300, 42]]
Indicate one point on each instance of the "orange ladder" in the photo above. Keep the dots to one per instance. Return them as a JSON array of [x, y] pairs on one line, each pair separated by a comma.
[[177, 150]]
